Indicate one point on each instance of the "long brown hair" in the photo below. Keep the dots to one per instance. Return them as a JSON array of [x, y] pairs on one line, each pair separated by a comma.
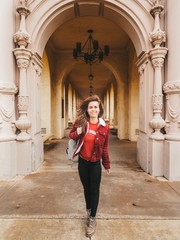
[[82, 113]]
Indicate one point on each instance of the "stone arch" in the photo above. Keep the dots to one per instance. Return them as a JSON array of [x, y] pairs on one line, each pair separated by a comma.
[[47, 16], [124, 14]]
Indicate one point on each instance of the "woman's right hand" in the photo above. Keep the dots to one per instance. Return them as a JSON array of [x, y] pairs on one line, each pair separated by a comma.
[[79, 130]]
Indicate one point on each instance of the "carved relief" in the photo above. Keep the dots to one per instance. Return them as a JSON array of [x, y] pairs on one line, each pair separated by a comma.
[[22, 38], [158, 62], [157, 102], [171, 87], [141, 69], [37, 68], [22, 63], [23, 102], [157, 36], [173, 112], [6, 113], [37, 64], [23, 2]]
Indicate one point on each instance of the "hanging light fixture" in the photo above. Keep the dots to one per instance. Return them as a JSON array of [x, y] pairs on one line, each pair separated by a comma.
[[90, 52], [90, 77]]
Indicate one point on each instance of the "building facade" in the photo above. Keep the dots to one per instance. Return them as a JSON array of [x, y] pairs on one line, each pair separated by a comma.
[[41, 84]]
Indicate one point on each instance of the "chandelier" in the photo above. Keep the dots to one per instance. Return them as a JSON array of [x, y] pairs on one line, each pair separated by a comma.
[[90, 52]]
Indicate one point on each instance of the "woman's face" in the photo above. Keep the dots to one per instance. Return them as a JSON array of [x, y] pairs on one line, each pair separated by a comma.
[[93, 109]]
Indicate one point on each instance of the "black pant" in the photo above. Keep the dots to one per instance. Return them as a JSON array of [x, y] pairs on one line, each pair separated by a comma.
[[90, 175]]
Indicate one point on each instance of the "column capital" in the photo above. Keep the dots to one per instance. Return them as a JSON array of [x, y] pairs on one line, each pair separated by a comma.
[[158, 53], [23, 57]]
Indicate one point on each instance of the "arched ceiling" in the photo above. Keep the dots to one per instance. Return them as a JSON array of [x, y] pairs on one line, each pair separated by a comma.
[[107, 33]]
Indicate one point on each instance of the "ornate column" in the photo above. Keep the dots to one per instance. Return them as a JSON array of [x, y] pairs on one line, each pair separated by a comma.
[[157, 123], [157, 55], [23, 56], [172, 90]]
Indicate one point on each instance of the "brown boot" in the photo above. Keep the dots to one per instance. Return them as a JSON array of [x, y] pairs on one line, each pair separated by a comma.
[[91, 227]]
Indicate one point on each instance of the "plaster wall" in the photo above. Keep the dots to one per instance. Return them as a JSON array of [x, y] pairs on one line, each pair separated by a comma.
[[133, 106], [45, 93]]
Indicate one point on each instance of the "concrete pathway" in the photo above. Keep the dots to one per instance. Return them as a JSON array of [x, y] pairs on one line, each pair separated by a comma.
[[49, 203]]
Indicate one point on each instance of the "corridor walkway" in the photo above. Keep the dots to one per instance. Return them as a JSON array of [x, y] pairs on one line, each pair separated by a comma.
[[49, 204]]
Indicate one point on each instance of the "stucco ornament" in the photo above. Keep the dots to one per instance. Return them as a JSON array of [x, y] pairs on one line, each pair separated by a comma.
[[157, 36], [21, 37], [172, 90], [23, 2]]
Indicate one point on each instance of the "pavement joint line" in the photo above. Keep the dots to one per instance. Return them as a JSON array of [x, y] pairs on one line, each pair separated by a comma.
[[173, 189], [130, 218]]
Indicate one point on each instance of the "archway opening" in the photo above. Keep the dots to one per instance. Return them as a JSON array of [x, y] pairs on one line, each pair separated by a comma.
[[115, 79]]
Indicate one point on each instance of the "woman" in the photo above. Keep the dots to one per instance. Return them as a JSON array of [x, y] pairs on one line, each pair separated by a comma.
[[93, 135]]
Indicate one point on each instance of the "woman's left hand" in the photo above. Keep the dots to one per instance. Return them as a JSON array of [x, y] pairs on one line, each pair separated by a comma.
[[108, 171]]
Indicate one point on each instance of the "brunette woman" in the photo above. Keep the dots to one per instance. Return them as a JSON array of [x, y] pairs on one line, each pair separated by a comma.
[[93, 135]]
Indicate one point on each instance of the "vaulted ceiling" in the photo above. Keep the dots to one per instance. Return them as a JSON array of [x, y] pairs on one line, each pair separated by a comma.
[[107, 33]]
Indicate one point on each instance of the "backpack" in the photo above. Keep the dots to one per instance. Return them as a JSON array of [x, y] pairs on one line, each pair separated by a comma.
[[72, 145]]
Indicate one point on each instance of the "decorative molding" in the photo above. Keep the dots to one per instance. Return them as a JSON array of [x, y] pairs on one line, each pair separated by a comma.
[[37, 64], [23, 102], [172, 87], [21, 37], [22, 63], [6, 114], [158, 62], [141, 69], [23, 123], [142, 62], [23, 2], [8, 88], [157, 102], [22, 55], [174, 114], [158, 53]]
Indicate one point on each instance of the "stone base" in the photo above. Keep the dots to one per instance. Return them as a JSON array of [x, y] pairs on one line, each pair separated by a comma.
[[156, 158], [24, 150], [37, 152], [8, 160], [30, 155], [142, 152], [172, 160]]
